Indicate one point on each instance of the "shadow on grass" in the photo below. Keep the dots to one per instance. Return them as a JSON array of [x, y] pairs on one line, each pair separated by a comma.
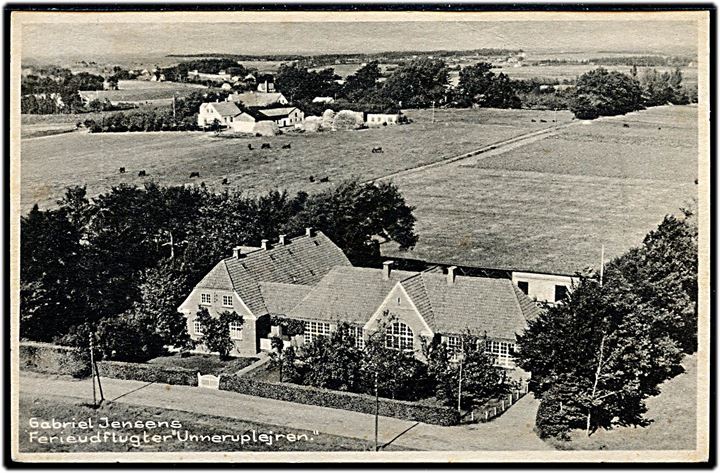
[[132, 391], [399, 435]]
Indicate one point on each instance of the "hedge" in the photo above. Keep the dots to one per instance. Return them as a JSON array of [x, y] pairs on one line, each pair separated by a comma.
[[340, 400], [54, 359], [147, 372]]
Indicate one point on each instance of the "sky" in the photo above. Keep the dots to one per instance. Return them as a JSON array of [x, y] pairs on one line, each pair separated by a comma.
[[104, 40]]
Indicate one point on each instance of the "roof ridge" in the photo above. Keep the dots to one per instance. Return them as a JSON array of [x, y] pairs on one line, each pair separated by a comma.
[[517, 300]]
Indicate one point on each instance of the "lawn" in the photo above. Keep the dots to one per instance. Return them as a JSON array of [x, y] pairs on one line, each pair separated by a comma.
[[68, 409], [205, 364], [50, 164], [674, 420], [551, 205]]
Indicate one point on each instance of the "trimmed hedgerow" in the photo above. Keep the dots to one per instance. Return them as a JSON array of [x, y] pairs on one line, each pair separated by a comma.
[[54, 359], [147, 372], [341, 400]]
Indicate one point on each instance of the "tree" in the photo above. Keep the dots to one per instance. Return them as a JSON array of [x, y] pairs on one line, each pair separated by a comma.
[[606, 348], [418, 83], [298, 84], [662, 88], [479, 85], [470, 368], [363, 83], [216, 331], [50, 254], [354, 215], [601, 92], [127, 338], [162, 290], [333, 362]]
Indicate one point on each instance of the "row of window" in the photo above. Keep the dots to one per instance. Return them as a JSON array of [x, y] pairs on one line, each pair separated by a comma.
[[502, 351], [398, 336], [206, 299], [234, 327]]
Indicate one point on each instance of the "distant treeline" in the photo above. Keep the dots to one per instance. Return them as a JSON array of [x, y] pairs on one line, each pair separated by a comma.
[[640, 61], [51, 89], [327, 59]]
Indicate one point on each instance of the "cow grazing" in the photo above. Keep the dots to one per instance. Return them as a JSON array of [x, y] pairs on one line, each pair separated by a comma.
[[625, 125], [122, 170], [194, 174], [265, 146], [325, 179], [142, 173], [311, 178], [532, 120], [287, 146], [377, 149], [543, 121], [225, 181], [250, 146]]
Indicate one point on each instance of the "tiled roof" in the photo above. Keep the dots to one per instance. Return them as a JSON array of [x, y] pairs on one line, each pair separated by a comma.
[[349, 294], [256, 99], [302, 261], [280, 297], [477, 304], [480, 305], [226, 109]]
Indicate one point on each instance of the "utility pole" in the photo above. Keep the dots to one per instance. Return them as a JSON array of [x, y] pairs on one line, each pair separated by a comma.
[[602, 264], [377, 409], [95, 374], [174, 119], [460, 383], [433, 111]]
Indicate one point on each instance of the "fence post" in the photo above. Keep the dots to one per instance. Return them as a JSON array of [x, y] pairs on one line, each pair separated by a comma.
[[511, 399], [494, 411], [486, 416]]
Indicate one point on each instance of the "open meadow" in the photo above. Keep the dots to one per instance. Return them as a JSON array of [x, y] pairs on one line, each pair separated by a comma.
[[145, 92], [545, 204], [552, 204], [50, 164]]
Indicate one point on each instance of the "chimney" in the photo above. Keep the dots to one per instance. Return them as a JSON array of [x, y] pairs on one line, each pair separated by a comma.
[[309, 231], [451, 275], [387, 266], [237, 252], [264, 244], [281, 240]]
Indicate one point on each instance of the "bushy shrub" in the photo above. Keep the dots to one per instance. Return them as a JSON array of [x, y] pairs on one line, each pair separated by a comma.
[[125, 338], [54, 359]]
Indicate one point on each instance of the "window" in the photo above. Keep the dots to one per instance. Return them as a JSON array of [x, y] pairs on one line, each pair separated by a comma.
[[399, 336], [205, 298], [197, 327], [227, 301], [313, 330], [235, 330], [502, 351], [356, 333], [524, 286], [454, 346], [560, 293]]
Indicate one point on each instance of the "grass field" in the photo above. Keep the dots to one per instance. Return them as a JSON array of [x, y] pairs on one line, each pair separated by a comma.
[[51, 164], [550, 205], [572, 71], [547, 205], [47, 408], [133, 91], [674, 420]]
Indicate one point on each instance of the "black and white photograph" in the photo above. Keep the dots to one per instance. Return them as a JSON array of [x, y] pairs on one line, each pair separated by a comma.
[[359, 235]]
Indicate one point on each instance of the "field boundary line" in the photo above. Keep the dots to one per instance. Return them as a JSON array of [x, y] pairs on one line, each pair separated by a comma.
[[491, 147]]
